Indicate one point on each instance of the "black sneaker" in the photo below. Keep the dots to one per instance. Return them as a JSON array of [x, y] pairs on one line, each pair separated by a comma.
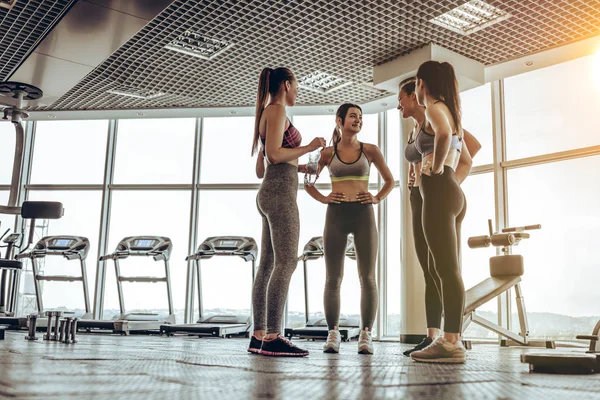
[[255, 345], [426, 342], [281, 347]]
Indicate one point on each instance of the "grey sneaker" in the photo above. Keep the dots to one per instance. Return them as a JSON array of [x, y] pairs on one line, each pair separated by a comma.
[[441, 351], [332, 345], [365, 342]]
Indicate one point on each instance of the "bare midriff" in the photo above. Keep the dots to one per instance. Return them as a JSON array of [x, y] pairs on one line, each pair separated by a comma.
[[350, 188]]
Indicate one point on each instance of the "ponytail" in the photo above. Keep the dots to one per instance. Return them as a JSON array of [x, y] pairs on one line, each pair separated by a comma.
[[442, 85], [269, 83], [336, 137]]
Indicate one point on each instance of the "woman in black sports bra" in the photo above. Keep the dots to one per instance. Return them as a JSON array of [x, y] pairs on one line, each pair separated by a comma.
[[410, 108], [350, 211]]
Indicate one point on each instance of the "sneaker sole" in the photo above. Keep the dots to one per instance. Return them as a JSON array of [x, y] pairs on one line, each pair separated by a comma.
[[440, 360], [254, 351], [331, 351], [364, 351], [279, 354]]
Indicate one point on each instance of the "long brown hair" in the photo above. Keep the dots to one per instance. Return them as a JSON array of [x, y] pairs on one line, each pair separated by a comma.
[[440, 79], [341, 113], [269, 82]]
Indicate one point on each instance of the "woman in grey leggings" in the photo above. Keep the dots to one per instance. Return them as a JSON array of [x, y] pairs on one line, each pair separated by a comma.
[[276, 202], [350, 211]]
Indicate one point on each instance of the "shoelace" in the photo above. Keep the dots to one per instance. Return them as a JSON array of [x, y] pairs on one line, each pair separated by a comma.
[[287, 341], [364, 338], [331, 337]]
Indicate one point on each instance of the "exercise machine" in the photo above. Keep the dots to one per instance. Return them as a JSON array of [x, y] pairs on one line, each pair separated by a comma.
[[505, 274], [568, 363], [9, 280], [16, 94], [218, 325], [69, 247], [316, 328], [157, 247]]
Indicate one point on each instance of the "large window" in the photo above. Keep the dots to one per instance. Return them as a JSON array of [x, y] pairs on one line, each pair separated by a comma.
[[477, 119], [546, 112], [479, 192], [69, 152], [154, 151], [148, 213], [81, 218], [395, 149], [7, 151], [562, 257], [226, 144], [227, 281]]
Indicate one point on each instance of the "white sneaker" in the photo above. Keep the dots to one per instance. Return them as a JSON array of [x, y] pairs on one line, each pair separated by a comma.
[[441, 351], [365, 342], [332, 345]]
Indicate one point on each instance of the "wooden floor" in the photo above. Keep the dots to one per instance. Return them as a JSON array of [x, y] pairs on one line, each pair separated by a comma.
[[108, 367]]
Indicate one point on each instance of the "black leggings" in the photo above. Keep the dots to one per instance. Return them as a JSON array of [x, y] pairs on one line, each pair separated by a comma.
[[340, 221], [444, 208]]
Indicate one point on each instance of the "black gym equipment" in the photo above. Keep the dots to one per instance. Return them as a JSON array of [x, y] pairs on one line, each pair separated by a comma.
[[505, 274], [316, 328], [157, 247], [568, 363], [218, 325], [32, 210], [69, 247]]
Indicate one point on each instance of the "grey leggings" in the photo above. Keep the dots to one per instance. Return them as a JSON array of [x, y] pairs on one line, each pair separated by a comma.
[[443, 206], [340, 221], [276, 202]]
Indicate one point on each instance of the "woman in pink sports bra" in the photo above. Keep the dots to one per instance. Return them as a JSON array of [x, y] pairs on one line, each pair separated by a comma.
[[276, 203]]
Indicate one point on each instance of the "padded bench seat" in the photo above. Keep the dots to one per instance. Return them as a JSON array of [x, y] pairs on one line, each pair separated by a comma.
[[487, 290], [11, 264]]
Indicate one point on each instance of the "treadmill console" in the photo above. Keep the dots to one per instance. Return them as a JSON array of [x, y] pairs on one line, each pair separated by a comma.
[[159, 247], [12, 238], [245, 247], [71, 247], [314, 249]]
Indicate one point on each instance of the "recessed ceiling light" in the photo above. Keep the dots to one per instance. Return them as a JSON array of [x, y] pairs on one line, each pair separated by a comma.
[[233, 112], [137, 93], [140, 114], [197, 45], [7, 3], [529, 63], [384, 104], [51, 116], [322, 82], [330, 110], [470, 17]]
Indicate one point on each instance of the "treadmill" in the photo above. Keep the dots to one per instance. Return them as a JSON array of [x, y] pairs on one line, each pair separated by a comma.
[[224, 326], [69, 247], [157, 247], [316, 328]]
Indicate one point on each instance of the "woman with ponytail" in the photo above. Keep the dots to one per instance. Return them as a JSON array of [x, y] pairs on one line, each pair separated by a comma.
[[276, 202], [439, 140], [410, 108], [350, 211]]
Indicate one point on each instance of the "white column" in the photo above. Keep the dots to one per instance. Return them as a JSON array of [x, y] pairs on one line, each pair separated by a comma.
[[413, 326]]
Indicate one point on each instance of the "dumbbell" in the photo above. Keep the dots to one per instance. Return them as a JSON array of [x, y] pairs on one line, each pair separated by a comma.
[[31, 324]]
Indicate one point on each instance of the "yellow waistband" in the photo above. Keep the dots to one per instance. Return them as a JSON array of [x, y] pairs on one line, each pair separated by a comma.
[[349, 178]]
